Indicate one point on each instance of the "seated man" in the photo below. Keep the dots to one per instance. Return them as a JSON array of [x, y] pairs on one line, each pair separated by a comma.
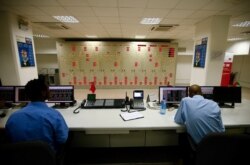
[[201, 116], [37, 121]]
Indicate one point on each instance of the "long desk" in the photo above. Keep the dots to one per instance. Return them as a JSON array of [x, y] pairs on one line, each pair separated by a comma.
[[156, 127]]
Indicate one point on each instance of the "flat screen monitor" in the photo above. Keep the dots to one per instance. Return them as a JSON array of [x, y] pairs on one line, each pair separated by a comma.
[[7, 94], [61, 94], [224, 95], [20, 95], [207, 92], [172, 94]]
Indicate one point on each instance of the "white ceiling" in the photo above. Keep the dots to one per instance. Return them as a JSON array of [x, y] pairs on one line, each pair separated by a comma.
[[121, 18]]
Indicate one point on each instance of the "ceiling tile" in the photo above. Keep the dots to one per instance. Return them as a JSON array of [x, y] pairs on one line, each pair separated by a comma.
[[81, 11], [218, 5], [87, 20], [202, 14], [73, 2], [191, 4], [179, 13], [41, 18], [132, 3], [109, 19], [130, 20], [160, 13], [103, 12], [131, 12], [43, 2], [29, 10], [102, 3], [166, 4], [53, 11]]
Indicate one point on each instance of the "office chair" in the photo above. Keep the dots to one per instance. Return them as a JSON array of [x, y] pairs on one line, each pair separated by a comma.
[[27, 153], [222, 148]]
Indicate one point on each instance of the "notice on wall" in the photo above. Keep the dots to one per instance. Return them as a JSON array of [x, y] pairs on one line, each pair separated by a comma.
[[200, 54], [25, 51]]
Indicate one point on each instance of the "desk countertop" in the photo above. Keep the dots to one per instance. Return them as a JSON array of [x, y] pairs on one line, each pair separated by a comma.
[[109, 120]]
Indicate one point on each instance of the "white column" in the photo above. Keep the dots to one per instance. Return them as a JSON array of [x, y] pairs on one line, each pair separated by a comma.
[[11, 72], [215, 28]]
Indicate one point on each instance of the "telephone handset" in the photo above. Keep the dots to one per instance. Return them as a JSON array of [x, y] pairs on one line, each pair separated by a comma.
[[83, 103]]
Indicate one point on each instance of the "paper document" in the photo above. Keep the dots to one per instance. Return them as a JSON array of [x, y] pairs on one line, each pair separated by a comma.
[[130, 116]]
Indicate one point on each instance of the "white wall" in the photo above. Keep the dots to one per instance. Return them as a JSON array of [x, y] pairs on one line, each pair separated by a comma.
[[183, 69], [47, 61], [45, 46], [239, 47]]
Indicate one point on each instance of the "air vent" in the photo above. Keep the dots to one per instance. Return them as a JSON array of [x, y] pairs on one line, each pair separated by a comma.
[[53, 25], [163, 27], [246, 32]]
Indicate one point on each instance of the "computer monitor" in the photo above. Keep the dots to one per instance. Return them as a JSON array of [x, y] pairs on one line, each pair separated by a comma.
[[20, 95], [7, 94], [172, 95], [207, 92], [61, 94], [223, 95]]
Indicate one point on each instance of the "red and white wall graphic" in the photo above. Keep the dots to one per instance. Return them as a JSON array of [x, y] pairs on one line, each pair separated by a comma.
[[117, 64]]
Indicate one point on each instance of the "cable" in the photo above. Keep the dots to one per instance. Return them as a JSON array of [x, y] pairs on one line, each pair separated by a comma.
[[76, 110]]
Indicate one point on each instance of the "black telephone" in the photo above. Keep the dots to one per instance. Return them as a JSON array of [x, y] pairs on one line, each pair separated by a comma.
[[137, 101], [83, 103]]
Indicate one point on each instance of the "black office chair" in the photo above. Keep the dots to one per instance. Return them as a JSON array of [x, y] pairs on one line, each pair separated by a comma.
[[27, 153], [223, 149]]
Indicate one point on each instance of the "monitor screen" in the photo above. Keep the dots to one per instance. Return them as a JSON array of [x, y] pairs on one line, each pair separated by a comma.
[[61, 94], [207, 92], [227, 94], [20, 95], [7, 94], [172, 94]]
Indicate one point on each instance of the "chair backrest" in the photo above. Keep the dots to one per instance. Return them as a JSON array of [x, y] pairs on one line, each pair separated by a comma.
[[28, 153], [222, 148]]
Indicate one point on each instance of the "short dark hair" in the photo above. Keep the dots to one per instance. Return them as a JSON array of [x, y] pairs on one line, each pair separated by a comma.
[[35, 88]]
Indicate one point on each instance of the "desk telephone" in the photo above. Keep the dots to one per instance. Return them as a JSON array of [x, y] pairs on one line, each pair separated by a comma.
[[137, 101]]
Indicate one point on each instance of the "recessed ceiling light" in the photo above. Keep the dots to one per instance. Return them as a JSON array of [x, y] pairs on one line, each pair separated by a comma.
[[66, 19], [91, 36], [235, 39], [40, 36], [243, 24], [150, 21], [140, 37]]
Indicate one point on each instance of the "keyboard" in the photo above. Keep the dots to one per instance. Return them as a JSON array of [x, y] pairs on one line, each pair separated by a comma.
[[114, 103], [105, 103]]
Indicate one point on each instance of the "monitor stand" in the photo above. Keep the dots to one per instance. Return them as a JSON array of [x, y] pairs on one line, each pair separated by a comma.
[[224, 105], [60, 106]]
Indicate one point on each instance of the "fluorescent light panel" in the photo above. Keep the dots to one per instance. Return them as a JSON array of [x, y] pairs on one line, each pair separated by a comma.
[[91, 36], [40, 36], [66, 19], [235, 39], [243, 24], [150, 21], [140, 37]]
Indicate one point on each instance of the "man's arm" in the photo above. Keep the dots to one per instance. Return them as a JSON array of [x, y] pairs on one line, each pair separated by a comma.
[[179, 118]]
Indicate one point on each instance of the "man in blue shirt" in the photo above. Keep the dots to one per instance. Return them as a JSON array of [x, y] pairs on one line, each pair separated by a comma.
[[201, 116], [37, 121]]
